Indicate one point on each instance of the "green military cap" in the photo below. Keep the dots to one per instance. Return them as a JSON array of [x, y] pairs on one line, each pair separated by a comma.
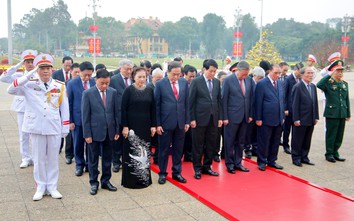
[[336, 65]]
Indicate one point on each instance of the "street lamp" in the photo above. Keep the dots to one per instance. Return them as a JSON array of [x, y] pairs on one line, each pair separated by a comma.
[[345, 28], [260, 30], [238, 24]]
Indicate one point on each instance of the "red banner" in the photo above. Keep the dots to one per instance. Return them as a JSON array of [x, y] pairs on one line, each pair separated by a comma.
[[94, 28], [237, 49], [346, 38], [237, 34], [91, 45], [344, 51]]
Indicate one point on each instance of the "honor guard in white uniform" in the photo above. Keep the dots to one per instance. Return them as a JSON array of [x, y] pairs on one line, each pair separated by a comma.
[[19, 102], [46, 118], [311, 61]]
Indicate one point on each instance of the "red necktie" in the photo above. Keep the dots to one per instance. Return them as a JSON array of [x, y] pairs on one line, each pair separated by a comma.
[[103, 98], [175, 92], [85, 85], [66, 76], [275, 84], [242, 87]]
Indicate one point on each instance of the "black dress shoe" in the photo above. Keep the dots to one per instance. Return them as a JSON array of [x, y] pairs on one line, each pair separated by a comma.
[[115, 168], [179, 178], [162, 179], [210, 172], [231, 170], [68, 160], [287, 150], [242, 168], [276, 166], [79, 172], [331, 159], [217, 159], [296, 163], [187, 159], [248, 154], [198, 175], [93, 189], [339, 158], [307, 162], [262, 167], [109, 186]]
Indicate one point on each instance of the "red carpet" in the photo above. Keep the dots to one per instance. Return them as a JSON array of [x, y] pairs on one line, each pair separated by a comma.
[[270, 195]]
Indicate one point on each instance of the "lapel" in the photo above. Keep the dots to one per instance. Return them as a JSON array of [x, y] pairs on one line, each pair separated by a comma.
[[98, 96], [237, 83], [108, 98], [168, 85], [271, 87], [204, 85], [79, 82], [306, 91], [121, 81], [181, 88], [92, 82], [51, 85]]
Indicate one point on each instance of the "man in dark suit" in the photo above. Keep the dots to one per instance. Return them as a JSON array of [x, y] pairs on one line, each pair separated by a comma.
[[172, 116], [100, 127], [305, 117], [189, 73], [64, 75], [147, 65], [157, 74], [251, 135], [206, 117], [289, 82], [75, 89], [120, 81], [269, 114], [237, 96]]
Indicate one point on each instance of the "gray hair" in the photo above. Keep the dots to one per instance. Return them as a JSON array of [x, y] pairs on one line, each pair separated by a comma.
[[156, 72], [258, 71], [125, 62]]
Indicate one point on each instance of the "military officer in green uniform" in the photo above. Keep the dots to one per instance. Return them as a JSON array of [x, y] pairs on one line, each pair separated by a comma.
[[337, 109]]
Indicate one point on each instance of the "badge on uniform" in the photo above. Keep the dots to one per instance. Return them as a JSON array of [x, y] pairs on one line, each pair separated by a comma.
[[344, 86], [334, 87], [37, 89]]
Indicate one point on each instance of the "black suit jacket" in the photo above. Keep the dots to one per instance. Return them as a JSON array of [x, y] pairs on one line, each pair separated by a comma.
[[59, 75], [118, 84], [304, 106], [97, 120], [202, 106], [288, 88]]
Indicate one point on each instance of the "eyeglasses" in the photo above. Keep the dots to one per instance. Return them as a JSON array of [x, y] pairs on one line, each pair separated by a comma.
[[233, 71]]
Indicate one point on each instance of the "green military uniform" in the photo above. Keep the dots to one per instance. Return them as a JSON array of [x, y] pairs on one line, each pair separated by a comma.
[[336, 111]]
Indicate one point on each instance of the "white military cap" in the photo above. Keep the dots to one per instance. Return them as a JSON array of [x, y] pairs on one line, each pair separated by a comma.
[[333, 57], [28, 54], [312, 58], [43, 60]]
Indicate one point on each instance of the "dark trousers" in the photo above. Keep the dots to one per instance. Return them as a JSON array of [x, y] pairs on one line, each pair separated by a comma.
[[286, 129], [69, 146], [79, 148], [94, 150], [187, 147], [268, 139], [234, 137], [251, 137], [334, 135], [301, 142], [117, 149], [155, 143], [220, 146], [204, 142], [176, 137]]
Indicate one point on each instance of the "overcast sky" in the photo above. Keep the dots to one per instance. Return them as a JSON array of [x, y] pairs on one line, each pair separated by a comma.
[[300, 10]]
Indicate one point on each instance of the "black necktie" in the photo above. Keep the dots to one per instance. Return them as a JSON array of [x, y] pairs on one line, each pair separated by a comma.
[[46, 85]]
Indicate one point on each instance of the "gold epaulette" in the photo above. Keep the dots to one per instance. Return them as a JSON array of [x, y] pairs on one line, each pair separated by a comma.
[[60, 82]]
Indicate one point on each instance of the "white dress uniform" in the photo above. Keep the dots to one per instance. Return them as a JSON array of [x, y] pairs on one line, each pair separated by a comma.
[[18, 105], [46, 118]]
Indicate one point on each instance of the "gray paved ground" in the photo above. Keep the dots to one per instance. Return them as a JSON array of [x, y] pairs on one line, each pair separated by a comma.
[[156, 202]]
